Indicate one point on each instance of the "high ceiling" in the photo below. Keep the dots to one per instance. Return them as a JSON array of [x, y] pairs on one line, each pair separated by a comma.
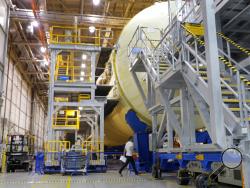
[[25, 45]]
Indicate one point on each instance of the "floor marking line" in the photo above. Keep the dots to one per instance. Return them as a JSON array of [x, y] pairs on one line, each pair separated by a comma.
[[68, 182]]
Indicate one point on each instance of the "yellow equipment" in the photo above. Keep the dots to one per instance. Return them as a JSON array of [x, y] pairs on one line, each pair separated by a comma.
[[82, 97], [69, 68], [195, 28], [61, 99], [67, 120], [72, 35], [54, 146]]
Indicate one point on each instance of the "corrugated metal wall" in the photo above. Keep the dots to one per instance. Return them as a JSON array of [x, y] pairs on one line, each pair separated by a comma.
[[3, 29], [40, 122], [22, 111], [3, 44]]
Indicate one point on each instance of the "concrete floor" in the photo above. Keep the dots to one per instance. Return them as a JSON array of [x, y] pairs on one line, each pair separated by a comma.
[[107, 180]]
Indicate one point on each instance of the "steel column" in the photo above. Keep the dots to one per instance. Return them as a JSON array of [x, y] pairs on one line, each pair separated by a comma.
[[213, 70], [185, 118], [102, 132], [51, 94], [154, 131]]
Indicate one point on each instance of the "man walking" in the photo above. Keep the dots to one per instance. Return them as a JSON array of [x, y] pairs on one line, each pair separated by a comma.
[[128, 153]]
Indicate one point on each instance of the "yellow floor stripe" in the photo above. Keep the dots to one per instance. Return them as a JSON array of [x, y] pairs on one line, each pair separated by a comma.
[[69, 182]]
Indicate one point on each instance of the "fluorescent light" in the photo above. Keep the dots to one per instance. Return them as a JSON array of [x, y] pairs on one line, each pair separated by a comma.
[[45, 62], [84, 56], [82, 73], [83, 65], [92, 29], [96, 2], [80, 108], [34, 23], [30, 29], [43, 49], [82, 79]]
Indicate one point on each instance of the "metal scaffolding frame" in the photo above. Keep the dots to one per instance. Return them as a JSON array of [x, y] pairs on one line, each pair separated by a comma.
[[96, 119], [185, 78]]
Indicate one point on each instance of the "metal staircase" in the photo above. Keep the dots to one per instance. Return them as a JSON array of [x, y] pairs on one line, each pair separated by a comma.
[[167, 56], [62, 68], [177, 67], [234, 84]]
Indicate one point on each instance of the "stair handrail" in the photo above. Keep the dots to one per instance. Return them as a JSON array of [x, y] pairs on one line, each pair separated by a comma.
[[175, 19], [203, 62], [230, 59], [241, 92], [143, 42], [173, 28], [228, 40], [165, 49], [240, 96], [149, 52], [130, 46]]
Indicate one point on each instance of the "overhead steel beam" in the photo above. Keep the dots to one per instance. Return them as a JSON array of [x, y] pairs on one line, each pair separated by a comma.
[[236, 16], [26, 15], [27, 43], [61, 3], [82, 6], [129, 8]]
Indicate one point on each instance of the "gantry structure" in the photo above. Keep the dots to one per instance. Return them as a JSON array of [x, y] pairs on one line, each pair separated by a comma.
[[72, 101], [192, 72]]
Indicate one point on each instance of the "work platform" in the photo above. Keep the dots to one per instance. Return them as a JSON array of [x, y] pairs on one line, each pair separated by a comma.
[[194, 70], [73, 103]]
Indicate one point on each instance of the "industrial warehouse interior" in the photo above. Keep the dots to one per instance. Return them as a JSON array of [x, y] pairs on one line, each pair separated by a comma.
[[124, 93]]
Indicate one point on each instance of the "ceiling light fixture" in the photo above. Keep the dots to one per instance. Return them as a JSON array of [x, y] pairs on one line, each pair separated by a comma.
[[30, 29], [96, 2], [83, 66], [82, 73], [84, 56], [82, 79], [45, 62], [35, 23], [92, 29], [43, 49], [80, 108]]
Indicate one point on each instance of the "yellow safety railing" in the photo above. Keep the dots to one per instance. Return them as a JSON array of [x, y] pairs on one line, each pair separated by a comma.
[[70, 69], [67, 119], [74, 35], [54, 146], [61, 99], [74, 75], [95, 149], [92, 146], [82, 97], [4, 158]]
